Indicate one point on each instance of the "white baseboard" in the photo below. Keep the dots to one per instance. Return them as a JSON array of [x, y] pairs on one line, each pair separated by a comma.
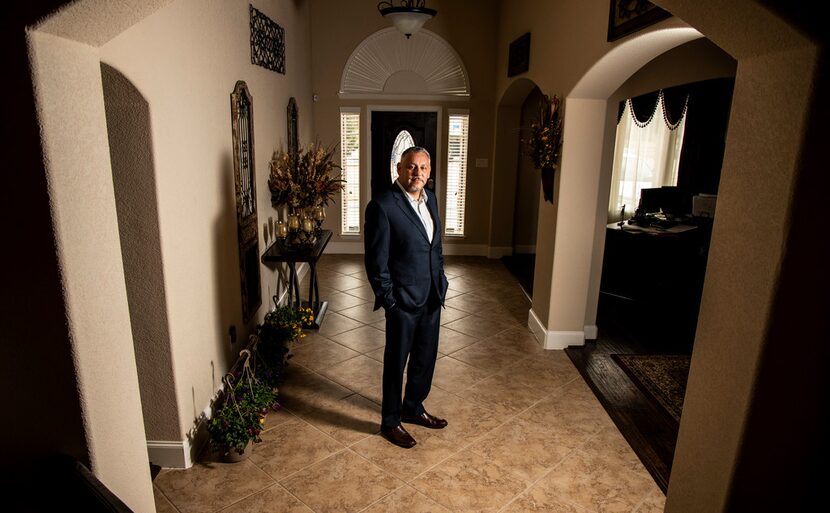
[[345, 248], [525, 248], [550, 339], [170, 454], [591, 332], [465, 249], [356, 248], [499, 251]]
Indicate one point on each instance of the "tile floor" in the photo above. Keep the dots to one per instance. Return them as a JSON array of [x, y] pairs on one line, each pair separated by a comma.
[[525, 433]]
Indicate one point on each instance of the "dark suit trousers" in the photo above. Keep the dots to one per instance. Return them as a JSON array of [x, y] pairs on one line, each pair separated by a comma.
[[412, 334]]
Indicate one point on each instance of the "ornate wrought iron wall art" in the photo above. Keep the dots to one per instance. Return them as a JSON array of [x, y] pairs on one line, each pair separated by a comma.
[[267, 42], [242, 126]]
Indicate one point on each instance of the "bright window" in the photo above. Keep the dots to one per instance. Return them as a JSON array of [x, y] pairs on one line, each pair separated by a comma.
[[403, 142], [350, 162], [456, 174], [645, 156]]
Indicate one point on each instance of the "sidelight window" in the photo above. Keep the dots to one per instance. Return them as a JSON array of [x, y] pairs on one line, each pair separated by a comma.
[[350, 162]]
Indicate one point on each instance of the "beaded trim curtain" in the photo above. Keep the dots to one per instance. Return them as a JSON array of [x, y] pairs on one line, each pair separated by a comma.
[[672, 102], [646, 153]]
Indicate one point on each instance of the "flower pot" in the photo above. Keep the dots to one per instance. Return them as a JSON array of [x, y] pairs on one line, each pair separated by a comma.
[[548, 174], [232, 456]]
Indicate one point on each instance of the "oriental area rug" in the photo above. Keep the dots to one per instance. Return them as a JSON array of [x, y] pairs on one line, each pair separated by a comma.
[[663, 377]]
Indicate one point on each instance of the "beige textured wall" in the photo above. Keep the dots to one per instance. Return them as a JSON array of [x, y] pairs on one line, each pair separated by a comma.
[[185, 60], [756, 184], [690, 62], [468, 27], [67, 79], [134, 182]]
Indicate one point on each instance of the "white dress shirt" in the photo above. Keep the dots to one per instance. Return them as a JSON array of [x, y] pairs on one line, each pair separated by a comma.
[[420, 207]]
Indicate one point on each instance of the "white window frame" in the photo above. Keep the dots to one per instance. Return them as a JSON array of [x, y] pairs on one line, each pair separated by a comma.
[[466, 166], [359, 189]]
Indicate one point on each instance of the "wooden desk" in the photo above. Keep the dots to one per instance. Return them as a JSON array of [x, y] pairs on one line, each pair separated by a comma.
[[654, 265], [651, 230], [279, 252]]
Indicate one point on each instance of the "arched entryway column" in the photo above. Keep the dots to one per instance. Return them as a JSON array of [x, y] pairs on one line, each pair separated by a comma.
[[564, 308]]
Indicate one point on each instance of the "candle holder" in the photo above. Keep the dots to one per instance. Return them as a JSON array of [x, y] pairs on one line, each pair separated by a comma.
[[319, 216], [293, 222], [281, 230]]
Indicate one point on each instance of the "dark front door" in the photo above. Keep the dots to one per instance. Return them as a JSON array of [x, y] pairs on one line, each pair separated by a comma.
[[396, 131]]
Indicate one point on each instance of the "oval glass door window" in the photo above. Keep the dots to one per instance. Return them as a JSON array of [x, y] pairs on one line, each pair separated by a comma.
[[403, 141]]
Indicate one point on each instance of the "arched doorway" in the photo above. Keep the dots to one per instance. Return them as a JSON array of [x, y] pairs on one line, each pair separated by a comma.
[[651, 280], [510, 203], [506, 158]]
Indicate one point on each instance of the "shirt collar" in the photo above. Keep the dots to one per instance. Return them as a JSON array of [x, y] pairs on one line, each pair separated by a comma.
[[423, 195]]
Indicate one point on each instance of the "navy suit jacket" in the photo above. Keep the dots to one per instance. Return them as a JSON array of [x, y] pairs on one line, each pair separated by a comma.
[[403, 267]]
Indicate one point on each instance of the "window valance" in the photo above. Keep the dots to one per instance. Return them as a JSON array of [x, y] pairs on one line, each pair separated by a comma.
[[643, 108]]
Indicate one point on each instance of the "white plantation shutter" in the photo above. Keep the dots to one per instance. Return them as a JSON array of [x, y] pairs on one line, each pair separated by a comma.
[[350, 161], [456, 174]]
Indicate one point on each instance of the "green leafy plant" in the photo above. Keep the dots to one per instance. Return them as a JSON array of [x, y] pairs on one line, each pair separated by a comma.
[[285, 324], [241, 415], [234, 425], [280, 328]]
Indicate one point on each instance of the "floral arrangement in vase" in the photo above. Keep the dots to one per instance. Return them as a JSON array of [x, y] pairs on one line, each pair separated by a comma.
[[304, 179], [544, 147]]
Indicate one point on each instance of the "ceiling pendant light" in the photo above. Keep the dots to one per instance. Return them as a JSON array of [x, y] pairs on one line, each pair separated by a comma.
[[408, 17]]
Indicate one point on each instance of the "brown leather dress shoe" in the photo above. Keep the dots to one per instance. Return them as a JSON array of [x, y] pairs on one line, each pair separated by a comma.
[[398, 436], [426, 420]]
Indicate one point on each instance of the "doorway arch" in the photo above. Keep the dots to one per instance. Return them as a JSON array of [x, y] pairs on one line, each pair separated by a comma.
[[568, 316], [505, 161]]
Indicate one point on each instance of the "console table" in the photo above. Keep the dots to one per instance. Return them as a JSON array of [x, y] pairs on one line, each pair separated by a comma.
[[280, 252]]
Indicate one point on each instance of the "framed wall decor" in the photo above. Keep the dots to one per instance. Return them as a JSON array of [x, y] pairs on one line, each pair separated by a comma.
[[267, 42], [518, 60], [293, 120], [242, 128], [629, 16]]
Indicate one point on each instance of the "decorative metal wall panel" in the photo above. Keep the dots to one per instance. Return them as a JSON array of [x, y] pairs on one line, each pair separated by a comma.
[[267, 42]]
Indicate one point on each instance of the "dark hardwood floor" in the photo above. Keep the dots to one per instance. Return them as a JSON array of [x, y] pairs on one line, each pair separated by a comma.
[[646, 425], [521, 265]]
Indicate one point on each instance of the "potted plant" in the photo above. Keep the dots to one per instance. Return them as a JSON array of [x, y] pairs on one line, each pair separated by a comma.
[[280, 327], [239, 419]]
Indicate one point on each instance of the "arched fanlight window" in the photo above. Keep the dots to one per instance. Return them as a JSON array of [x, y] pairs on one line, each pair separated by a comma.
[[403, 141]]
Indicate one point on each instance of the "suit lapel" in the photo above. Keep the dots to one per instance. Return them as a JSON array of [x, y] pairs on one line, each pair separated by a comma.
[[432, 206], [403, 204]]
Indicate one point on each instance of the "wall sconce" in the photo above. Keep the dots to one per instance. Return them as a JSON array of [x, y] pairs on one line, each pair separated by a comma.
[[408, 17]]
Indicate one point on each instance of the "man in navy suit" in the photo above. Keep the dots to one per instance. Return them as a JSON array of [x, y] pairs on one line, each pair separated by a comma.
[[405, 265]]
